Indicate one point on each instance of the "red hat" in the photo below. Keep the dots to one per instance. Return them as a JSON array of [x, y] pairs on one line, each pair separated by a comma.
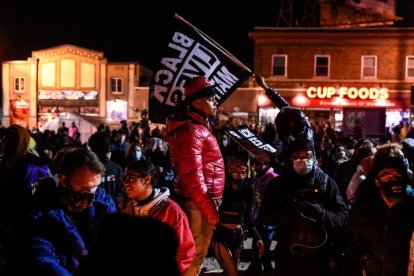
[[198, 87]]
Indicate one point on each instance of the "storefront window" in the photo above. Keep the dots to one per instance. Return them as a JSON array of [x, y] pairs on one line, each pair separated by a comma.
[[89, 110]]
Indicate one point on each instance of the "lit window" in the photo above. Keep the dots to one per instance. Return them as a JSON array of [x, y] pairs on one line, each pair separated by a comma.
[[322, 66], [409, 65], [279, 65], [116, 85], [369, 66], [19, 85]]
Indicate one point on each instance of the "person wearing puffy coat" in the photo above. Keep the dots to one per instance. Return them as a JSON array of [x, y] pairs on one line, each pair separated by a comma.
[[145, 199], [198, 164]]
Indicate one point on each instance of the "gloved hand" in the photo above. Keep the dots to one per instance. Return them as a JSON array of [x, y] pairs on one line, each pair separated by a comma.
[[311, 210]]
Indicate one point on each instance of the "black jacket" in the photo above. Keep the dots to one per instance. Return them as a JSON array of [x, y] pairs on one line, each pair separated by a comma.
[[283, 201], [378, 237]]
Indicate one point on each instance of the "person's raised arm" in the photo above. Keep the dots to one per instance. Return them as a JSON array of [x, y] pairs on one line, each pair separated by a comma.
[[271, 93]]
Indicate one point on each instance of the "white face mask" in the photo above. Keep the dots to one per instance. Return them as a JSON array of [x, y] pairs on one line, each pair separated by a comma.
[[138, 154], [108, 155], [303, 166]]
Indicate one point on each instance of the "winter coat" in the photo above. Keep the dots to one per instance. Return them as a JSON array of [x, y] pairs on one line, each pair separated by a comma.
[[58, 240], [111, 181], [378, 237], [197, 161], [260, 184], [16, 186], [305, 236], [162, 208]]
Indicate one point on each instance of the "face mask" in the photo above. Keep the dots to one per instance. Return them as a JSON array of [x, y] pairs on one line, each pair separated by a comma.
[[138, 154], [260, 171], [108, 155], [393, 188], [236, 182], [76, 201], [303, 166], [406, 163], [224, 142]]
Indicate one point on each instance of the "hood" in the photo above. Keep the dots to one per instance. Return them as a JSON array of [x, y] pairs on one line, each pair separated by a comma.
[[172, 125], [160, 194]]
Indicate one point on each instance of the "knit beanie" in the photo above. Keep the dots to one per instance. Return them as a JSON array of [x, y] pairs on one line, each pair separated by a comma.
[[389, 162], [301, 144]]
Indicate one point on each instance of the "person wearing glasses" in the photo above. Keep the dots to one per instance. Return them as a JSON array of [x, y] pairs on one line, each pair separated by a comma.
[[144, 199], [66, 215]]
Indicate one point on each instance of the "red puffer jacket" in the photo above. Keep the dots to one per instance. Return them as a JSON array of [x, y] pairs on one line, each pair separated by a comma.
[[197, 161]]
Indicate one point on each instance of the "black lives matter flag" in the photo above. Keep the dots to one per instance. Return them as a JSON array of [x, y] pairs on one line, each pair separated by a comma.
[[246, 138], [190, 53]]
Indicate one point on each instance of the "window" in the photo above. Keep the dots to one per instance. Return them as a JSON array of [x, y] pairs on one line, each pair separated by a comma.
[[19, 85], [279, 65], [409, 67], [116, 85], [369, 66], [322, 66]]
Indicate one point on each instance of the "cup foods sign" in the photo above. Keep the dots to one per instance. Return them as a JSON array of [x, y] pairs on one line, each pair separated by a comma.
[[351, 93]]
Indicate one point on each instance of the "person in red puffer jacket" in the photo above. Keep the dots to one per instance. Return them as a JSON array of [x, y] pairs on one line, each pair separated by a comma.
[[198, 164]]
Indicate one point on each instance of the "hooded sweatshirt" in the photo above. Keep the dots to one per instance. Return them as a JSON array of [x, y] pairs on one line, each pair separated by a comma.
[[162, 208]]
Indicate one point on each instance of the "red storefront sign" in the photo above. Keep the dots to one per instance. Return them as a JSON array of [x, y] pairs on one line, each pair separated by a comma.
[[331, 97]]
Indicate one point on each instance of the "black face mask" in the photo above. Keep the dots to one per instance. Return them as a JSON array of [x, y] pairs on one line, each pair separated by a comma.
[[260, 173], [393, 188], [76, 201], [236, 182]]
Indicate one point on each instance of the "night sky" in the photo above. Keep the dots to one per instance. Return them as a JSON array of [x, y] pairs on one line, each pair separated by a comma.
[[135, 30]]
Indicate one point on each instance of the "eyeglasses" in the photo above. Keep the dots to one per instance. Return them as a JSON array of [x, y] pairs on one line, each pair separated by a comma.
[[129, 179]]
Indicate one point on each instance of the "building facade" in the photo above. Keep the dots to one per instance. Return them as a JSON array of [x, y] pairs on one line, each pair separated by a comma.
[[350, 77], [68, 78]]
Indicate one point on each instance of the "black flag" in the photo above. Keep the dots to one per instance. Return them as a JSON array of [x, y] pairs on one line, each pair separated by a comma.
[[190, 53], [246, 138]]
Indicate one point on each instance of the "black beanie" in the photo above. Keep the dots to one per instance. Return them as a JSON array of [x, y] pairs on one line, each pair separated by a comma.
[[389, 162], [301, 144]]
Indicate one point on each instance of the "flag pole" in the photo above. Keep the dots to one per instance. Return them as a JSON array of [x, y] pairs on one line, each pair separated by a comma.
[[219, 47]]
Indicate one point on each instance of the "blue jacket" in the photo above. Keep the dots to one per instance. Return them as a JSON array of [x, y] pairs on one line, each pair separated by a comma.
[[59, 241]]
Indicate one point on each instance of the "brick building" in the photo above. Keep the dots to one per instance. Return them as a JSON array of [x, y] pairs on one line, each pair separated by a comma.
[[333, 73]]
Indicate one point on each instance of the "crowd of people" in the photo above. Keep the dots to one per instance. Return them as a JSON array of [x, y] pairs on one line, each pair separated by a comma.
[[163, 200]]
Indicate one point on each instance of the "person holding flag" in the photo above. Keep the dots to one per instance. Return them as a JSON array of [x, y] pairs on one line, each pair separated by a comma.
[[198, 164]]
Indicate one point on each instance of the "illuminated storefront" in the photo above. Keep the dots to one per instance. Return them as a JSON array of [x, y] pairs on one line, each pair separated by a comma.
[[68, 78], [344, 77]]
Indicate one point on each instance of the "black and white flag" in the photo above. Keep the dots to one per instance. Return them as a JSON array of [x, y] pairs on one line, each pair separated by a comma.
[[248, 140], [190, 53]]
